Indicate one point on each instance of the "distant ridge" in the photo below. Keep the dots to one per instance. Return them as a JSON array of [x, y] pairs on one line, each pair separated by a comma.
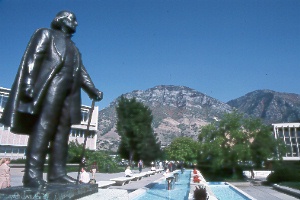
[[270, 106]]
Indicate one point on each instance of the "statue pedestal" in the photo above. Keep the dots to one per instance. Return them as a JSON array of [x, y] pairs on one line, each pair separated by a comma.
[[53, 191]]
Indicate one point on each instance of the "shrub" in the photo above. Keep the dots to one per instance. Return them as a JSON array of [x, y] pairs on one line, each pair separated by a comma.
[[284, 175]]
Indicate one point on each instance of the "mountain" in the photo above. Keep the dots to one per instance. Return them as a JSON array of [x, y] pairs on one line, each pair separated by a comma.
[[181, 111], [177, 111], [270, 106]]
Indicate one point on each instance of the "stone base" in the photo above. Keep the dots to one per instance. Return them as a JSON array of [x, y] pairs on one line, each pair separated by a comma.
[[53, 191]]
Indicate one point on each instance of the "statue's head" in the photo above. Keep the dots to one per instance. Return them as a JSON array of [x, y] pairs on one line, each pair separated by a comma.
[[65, 21]]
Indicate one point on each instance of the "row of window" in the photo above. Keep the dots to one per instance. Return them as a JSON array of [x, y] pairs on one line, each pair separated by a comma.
[[292, 141], [288, 133], [12, 150], [80, 133]]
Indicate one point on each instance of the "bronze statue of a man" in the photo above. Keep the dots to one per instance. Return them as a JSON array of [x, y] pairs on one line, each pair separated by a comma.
[[45, 99]]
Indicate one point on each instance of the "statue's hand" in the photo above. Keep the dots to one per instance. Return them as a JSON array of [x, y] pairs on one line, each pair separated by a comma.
[[27, 95], [97, 96]]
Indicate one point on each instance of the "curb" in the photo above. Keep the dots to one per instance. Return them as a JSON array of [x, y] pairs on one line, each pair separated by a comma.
[[287, 190]]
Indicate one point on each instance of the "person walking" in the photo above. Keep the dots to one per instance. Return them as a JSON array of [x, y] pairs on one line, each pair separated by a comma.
[[94, 169], [140, 165], [252, 173], [4, 173]]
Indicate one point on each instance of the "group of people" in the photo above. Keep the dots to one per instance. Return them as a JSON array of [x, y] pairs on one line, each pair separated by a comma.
[[4, 173], [129, 173], [85, 176]]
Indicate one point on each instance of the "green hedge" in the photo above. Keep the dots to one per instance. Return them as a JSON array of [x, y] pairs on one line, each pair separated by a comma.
[[283, 174]]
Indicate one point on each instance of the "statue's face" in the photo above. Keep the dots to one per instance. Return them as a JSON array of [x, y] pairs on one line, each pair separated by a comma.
[[70, 24]]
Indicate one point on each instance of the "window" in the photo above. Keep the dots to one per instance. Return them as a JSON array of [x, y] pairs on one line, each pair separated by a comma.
[[2, 149], [73, 133], [293, 132], [298, 133], [280, 133], [22, 150], [8, 150], [92, 134], [15, 150], [286, 133], [85, 115], [3, 100], [295, 150]]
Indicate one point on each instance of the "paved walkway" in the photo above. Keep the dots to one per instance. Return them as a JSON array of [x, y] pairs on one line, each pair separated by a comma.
[[265, 193], [121, 192]]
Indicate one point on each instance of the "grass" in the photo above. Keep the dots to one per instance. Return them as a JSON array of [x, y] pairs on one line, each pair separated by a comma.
[[295, 185]]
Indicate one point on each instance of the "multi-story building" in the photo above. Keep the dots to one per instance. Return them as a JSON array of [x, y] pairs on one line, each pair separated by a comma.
[[14, 145], [290, 134]]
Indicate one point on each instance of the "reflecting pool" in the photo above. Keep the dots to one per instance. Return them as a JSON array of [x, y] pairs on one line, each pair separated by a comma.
[[224, 191], [159, 190]]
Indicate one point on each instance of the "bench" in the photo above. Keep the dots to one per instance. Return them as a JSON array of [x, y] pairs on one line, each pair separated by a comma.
[[144, 174], [105, 184], [137, 177], [122, 180], [151, 173]]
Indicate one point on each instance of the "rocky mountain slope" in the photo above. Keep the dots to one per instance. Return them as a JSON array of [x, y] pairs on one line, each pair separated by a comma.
[[177, 111], [181, 111], [270, 106]]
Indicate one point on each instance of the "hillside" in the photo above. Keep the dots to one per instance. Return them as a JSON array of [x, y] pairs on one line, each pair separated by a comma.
[[177, 111], [270, 106]]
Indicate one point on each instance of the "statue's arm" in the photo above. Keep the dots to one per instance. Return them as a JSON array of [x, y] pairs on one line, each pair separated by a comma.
[[32, 60], [89, 87]]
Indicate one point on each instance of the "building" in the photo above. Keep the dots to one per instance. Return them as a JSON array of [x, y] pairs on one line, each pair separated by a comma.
[[290, 134], [14, 145]]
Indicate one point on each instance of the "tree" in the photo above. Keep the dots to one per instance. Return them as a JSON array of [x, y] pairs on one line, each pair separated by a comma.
[[135, 129], [103, 160], [183, 149], [74, 152], [264, 145], [235, 140]]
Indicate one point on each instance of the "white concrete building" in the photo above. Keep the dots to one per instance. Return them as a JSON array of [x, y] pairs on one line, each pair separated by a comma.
[[290, 134], [14, 145]]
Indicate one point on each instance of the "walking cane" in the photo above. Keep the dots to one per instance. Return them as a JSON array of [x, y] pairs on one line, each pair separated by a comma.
[[87, 133]]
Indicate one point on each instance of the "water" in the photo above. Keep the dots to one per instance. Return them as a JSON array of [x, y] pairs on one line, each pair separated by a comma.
[[224, 191], [159, 191]]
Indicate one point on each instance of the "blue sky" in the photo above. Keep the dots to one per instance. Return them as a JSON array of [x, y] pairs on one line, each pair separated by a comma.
[[222, 48]]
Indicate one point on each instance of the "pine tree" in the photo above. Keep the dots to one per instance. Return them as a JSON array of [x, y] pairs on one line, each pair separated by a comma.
[[134, 128]]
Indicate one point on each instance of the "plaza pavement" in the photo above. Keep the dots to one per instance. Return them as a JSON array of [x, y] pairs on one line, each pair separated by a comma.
[[255, 190]]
